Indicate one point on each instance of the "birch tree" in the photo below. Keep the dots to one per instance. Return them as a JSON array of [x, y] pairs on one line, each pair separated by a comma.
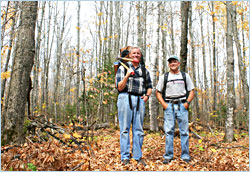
[[153, 102], [229, 136], [77, 61], [60, 33]]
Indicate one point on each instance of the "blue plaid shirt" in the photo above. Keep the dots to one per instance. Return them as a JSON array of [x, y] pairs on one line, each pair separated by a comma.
[[135, 84]]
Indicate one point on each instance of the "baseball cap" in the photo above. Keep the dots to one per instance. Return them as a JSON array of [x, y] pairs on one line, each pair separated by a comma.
[[174, 57]]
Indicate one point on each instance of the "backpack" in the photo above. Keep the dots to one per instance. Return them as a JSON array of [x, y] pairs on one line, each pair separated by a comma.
[[124, 53], [165, 84]]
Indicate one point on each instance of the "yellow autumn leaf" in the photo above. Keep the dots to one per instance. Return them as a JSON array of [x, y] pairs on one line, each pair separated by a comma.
[[200, 141], [100, 14], [106, 94], [240, 12], [91, 80], [72, 90], [5, 75], [66, 136], [44, 106], [76, 135], [234, 2], [215, 19], [104, 102], [212, 13], [213, 150], [78, 28], [157, 73], [91, 96], [104, 39]]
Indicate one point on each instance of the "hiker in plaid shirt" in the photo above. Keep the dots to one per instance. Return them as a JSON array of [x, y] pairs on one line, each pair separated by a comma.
[[134, 91]]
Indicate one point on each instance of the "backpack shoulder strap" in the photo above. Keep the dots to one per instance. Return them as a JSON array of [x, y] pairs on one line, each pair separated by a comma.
[[165, 84], [185, 79], [165, 80], [144, 75]]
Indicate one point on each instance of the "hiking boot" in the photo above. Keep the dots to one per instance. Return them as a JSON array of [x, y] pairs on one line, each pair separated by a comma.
[[186, 160], [166, 161], [125, 161], [140, 161]]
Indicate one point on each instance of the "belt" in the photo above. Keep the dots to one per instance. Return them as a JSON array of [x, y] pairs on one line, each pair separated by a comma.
[[176, 101], [138, 100]]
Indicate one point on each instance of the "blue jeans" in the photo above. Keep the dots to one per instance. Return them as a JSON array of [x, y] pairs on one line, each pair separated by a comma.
[[170, 114], [126, 117]]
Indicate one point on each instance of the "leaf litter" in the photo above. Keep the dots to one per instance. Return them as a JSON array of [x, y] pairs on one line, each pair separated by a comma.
[[53, 156]]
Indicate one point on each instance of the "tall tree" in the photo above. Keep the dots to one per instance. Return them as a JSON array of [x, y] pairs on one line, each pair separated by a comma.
[[153, 102], [241, 65], [3, 83], [13, 131], [204, 93], [78, 58], [60, 36], [184, 32], [229, 136], [12, 31], [214, 61], [172, 30], [163, 41], [191, 33], [37, 58]]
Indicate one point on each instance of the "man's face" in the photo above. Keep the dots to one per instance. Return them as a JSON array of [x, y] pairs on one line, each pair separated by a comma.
[[174, 64], [135, 53]]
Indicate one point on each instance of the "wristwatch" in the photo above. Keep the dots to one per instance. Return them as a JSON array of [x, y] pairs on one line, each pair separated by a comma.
[[147, 96], [188, 102]]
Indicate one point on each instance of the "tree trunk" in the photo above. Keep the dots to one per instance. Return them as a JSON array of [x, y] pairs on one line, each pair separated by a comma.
[[173, 50], [11, 45], [153, 102], [77, 62], [110, 31], [3, 83], [5, 23], [37, 60], [193, 76], [60, 32], [25, 52], [204, 92], [214, 63], [241, 65], [163, 42], [184, 32], [229, 136]]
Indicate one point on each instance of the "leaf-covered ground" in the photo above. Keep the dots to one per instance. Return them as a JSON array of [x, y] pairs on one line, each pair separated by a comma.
[[208, 154]]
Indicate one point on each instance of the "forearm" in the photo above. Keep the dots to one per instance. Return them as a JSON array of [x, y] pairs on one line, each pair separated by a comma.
[[122, 84], [191, 96], [149, 91], [160, 99]]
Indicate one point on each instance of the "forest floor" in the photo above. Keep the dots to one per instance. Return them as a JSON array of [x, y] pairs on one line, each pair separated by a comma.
[[103, 154]]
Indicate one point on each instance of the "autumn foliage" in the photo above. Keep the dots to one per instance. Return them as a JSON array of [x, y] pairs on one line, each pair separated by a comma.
[[102, 153]]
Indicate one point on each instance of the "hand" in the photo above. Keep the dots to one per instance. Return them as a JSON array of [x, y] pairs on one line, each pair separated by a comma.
[[130, 72], [186, 105], [145, 98], [165, 106]]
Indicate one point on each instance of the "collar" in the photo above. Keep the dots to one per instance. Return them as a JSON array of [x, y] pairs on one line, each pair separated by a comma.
[[131, 65]]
